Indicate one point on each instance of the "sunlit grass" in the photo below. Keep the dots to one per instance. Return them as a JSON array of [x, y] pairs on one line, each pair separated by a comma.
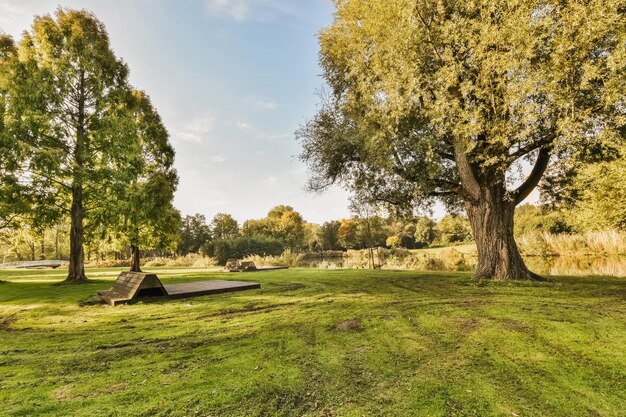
[[316, 343]]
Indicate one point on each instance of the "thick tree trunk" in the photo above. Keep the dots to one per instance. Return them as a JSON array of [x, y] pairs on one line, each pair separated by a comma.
[[491, 218], [135, 265], [76, 271]]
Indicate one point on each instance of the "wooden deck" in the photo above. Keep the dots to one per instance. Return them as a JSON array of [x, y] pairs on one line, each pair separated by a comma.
[[131, 286], [195, 289], [260, 269]]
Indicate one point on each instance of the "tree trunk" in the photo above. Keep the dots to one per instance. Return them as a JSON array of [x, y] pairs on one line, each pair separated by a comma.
[[76, 271], [491, 218], [135, 266], [56, 244], [43, 248]]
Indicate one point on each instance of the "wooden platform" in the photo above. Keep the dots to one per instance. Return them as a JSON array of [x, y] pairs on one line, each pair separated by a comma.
[[130, 286], [198, 288], [261, 269]]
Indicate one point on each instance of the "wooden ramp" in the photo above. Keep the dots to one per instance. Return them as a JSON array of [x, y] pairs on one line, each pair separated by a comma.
[[133, 285]]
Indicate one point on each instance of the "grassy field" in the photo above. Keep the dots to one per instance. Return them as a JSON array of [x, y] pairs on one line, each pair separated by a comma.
[[316, 343]]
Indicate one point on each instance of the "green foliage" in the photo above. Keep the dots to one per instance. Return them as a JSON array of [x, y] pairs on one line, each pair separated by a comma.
[[441, 80], [602, 197], [329, 235], [424, 231], [83, 142], [241, 247], [224, 226], [283, 223], [194, 234], [453, 229], [532, 219], [144, 213]]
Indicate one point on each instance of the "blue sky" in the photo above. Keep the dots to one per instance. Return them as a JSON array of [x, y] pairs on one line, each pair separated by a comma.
[[232, 80]]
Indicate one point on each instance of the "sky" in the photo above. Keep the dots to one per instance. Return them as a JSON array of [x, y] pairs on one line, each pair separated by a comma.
[[232, 80]]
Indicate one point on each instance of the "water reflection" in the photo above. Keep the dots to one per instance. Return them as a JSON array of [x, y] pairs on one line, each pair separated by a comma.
[[555, 265]]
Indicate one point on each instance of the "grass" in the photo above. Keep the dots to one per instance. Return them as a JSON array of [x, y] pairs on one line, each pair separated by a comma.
[[316, 343]]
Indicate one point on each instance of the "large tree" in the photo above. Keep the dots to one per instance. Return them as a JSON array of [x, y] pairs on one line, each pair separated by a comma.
[[12, 201], [143, 212], [442, 99], [70, 105]]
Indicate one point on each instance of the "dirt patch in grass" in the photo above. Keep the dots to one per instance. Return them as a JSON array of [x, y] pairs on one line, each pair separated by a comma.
[[349, 325], [7, 321]]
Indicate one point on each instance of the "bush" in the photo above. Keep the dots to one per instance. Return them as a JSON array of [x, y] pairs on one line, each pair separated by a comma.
[[242, 247]]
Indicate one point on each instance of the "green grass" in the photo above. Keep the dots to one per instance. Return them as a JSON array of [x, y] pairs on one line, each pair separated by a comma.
[[316, 343]]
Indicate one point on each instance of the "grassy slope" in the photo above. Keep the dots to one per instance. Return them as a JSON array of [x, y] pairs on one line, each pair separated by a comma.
[[423, 344]]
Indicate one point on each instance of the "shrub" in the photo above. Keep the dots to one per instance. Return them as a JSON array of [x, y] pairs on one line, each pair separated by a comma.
[[242, 247]]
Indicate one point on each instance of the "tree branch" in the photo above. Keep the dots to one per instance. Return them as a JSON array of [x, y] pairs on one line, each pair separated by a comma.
[[543, 159], [470, 189]]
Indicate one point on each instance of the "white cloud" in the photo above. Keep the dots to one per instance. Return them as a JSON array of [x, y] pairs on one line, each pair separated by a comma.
[[246, 10], [195, 130]]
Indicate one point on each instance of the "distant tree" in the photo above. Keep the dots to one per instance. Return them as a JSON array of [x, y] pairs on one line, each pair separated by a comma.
[[255, 228], [312, 236], [194, 233], [424, 231], [224, 226], [68, 106], [329, 235], [453, 229], [347, 233], [441, 100], [394, 241], [282, 222]]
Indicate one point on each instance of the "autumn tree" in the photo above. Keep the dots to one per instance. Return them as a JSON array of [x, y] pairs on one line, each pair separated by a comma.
[[441, 99]]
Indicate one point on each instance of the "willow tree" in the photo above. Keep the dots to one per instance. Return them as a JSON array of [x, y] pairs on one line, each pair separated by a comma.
[[442, 99], [68, 105]]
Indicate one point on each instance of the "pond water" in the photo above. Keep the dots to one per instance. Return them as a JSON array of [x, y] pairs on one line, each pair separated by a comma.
[[555, 265]]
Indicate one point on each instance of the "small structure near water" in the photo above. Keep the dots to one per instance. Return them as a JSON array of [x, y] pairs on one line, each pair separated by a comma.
[[54, 264], [234, 265], [130, 286]]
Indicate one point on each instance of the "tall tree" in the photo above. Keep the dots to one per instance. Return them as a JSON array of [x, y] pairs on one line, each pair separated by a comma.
[[145, 214], [194, 233], [441, 99], [224, 226], [69, 105], [12, 201]]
